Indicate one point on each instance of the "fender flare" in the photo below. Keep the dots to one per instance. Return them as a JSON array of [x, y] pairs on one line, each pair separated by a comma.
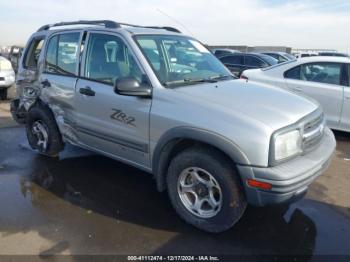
[[169, 139]]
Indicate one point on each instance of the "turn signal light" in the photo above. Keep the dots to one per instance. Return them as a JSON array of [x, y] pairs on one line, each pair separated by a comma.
[[259, 184]]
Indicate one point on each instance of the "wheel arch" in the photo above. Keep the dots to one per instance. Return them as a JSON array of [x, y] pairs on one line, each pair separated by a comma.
[[177, 139]]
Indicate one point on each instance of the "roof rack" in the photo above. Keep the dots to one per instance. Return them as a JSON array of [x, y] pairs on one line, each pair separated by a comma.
[[105, 23]]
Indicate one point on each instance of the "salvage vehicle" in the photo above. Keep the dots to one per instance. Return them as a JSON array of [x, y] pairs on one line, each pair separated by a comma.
[[160, 101], [7, 77], [239, 62], [325, 79]]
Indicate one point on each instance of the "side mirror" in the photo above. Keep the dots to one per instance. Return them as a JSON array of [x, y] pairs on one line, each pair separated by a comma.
[[129, 86]]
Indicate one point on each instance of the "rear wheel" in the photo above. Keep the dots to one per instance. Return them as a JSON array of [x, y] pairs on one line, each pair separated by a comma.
[[42, 131], [205, 190], [3, 94]]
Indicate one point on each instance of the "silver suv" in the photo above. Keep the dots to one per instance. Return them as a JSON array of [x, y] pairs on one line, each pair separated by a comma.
[[160, 101]]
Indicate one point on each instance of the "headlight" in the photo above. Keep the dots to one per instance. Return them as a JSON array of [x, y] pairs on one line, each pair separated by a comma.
[[286, 145]]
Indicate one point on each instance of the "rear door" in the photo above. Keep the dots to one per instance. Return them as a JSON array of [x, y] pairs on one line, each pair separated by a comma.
[[322, 81], [345, 117], [60, 75], [112, 124]]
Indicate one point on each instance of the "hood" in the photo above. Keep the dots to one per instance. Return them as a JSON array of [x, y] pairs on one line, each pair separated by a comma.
[[270, 105]]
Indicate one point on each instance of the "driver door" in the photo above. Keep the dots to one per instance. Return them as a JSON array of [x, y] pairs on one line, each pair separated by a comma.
[[112, 124]]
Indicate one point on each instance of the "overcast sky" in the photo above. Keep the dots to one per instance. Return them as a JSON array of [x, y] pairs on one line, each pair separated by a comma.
[[298, 23]]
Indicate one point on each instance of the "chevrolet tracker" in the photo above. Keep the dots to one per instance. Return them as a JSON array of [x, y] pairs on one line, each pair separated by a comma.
[[160, 101]]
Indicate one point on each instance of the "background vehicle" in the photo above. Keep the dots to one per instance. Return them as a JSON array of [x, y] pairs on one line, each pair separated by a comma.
[[14, 56], [305, 54], [332, 54], [280, 56], [325, 79], [162, 102], [237, 63], [7, 77], [218, 52]]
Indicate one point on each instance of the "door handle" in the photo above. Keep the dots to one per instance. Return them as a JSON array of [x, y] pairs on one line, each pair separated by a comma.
[[87, 91], [45, 83]]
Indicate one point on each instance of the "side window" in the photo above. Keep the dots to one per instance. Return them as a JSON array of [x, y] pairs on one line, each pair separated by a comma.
[[108, 59], [62, 54], [253, 61], [33, 53], [327, 73], [293, 73], [233, 60]]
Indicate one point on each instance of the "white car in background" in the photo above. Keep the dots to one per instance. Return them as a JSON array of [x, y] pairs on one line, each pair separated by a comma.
[[325, 79], [7, 77]]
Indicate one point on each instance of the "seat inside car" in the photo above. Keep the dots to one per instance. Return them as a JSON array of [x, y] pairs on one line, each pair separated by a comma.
[[99, 67]]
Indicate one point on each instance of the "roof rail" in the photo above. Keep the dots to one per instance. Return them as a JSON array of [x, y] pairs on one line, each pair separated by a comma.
[[105, 23], [168, 28]]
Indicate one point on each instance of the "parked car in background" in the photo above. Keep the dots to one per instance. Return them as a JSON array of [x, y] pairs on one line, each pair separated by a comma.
[[14, 56], [160, 101], [305, 54], [7, 77], [239, 62], [280, 56], [333, 54], [325, 79], [218, 52]]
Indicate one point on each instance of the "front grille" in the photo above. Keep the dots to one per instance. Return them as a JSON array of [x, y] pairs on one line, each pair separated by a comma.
[[313, 132]]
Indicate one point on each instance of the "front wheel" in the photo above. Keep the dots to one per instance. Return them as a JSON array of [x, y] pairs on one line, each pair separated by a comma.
[[205, 189]]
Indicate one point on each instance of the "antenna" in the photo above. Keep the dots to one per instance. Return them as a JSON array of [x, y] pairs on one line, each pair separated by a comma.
[[175, 20]]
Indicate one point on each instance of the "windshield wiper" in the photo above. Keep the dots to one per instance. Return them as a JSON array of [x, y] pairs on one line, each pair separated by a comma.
[[189, 81], [222, 77]]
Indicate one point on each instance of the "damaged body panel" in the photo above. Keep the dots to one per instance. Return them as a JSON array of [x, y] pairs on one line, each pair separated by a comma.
[[35, 86]]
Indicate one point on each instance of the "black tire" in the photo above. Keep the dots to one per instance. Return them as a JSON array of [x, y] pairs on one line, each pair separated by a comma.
[[43, 114], [233, 199], [3, 94]]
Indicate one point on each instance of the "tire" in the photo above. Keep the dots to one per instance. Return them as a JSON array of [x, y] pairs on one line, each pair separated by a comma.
[[40, 120], [204, 161], [3, 94]]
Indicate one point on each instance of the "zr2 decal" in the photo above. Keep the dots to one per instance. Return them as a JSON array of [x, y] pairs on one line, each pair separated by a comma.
[[122, 117]]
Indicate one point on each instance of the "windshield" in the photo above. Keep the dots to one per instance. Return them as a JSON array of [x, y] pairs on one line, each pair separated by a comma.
[[179, 60]]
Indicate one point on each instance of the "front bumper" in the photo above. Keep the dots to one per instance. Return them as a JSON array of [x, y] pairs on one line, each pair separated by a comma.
[[289, 180]]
